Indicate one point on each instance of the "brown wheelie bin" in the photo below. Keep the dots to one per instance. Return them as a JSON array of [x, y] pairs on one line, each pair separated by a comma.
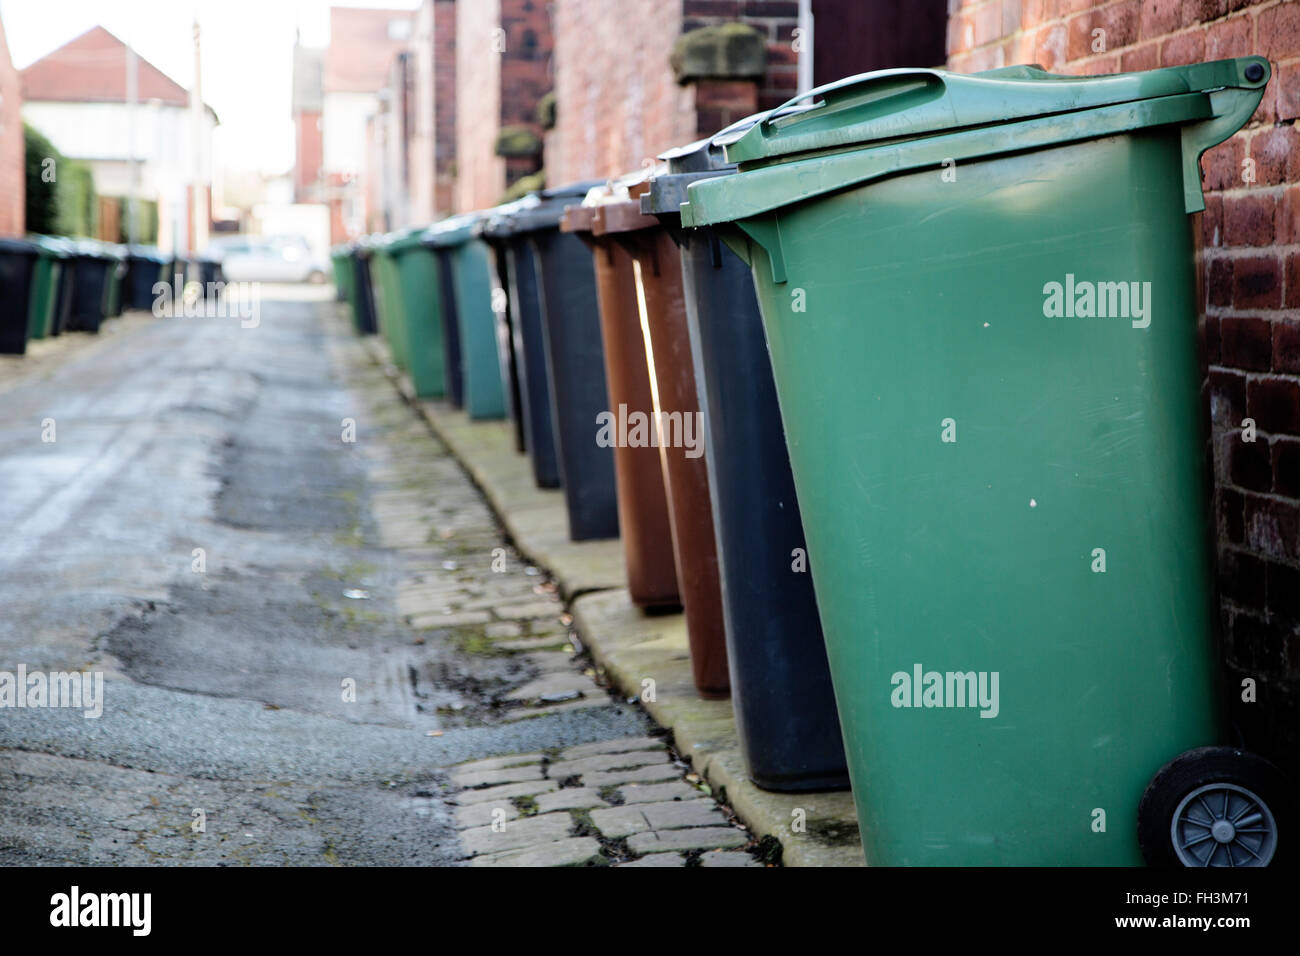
[[658, 275], [642, 502]]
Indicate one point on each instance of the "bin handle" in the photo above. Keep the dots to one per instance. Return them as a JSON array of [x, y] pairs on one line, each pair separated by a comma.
[[1233, 101], [854, 90]]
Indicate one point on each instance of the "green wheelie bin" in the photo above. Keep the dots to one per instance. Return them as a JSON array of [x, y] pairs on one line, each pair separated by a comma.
[[978, 296], [341, 261], [468, 265], [388, 307], [416, 285], [46, 274]]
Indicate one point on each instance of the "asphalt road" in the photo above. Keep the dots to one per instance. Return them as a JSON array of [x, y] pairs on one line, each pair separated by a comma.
[[223, 665]]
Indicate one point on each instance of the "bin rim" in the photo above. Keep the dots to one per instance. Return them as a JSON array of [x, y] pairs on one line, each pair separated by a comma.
[[55, 247], [404, 240], [19, 246], [452, 231], [548, 210], [889, 105], [1207, 117], [497, 224]]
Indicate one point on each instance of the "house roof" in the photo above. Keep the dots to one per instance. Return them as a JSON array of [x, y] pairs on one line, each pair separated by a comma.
[[362, 46], [92, 69]]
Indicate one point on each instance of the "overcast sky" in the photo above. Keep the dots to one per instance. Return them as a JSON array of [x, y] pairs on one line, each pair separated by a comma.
[[247, 55]]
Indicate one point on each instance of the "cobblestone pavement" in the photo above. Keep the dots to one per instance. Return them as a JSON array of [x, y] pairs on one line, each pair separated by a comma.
[[309, 623]]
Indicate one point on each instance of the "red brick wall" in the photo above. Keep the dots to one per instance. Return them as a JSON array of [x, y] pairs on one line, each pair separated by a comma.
[[309, 147], [444, 105], [1249, 258], [480, 175], [616, 101], [13, 183], [776, 20]]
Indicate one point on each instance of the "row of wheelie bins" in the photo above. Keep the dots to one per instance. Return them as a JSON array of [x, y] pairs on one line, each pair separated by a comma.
[[51, 284], [894, 391]]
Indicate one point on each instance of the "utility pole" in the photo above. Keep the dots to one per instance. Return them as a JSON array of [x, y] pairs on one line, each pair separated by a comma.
[[132, 95], [199, 202]]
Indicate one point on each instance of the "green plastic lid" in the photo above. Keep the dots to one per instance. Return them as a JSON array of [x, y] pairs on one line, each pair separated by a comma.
[[404, 240], [897, 121], [453, 231], [898, 104]]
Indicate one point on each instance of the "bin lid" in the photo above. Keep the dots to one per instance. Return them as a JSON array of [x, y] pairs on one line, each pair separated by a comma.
[[452, 231], [404, 240], [149, 253], [616, 206], [497, 224], [702, 159], [549, 206], [903, 103], [13, 246], [53, 247], [894, 121]]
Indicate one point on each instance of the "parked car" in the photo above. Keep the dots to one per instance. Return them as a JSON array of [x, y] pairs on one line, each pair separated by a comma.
[[268, 259]]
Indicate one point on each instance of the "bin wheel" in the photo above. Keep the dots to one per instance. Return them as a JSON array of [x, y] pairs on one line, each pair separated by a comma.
[[1210, 807]]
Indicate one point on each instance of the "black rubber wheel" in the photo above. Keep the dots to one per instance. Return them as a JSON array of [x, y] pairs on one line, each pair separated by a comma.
[[1214, 806]]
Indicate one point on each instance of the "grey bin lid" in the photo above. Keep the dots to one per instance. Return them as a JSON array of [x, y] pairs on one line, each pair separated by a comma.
[[550, 204]]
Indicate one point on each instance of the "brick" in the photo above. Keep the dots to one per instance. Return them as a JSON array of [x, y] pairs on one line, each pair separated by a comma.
[[570, 798], [619, 746], [617, 822], [1183, 48], [477, 778], [658, 792], [1211, 221], [1246, 343], [658, 860], [576, 851], [1288, 217], [1241, 578], [1274, 153], [434, 621], [1202, 11], [1219, 282], [1249, 464], [483, 814], [1231, 516], [1227, 398], [1255, 646], [527, 831], [1274, 403], [1286, 82], [1292, 300], [554, 688], [1283, 595], [727, 858], [1278, 30], [1248, 220], [1222, 164], [1286, 345], [1272, 527], [526, 789], [498, 763], [696, 838], [1228, 38], [1159, 17], [652, 774], [1209, 333], [607, 762], [530, 610], [1143, 57], [1257, 282]]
